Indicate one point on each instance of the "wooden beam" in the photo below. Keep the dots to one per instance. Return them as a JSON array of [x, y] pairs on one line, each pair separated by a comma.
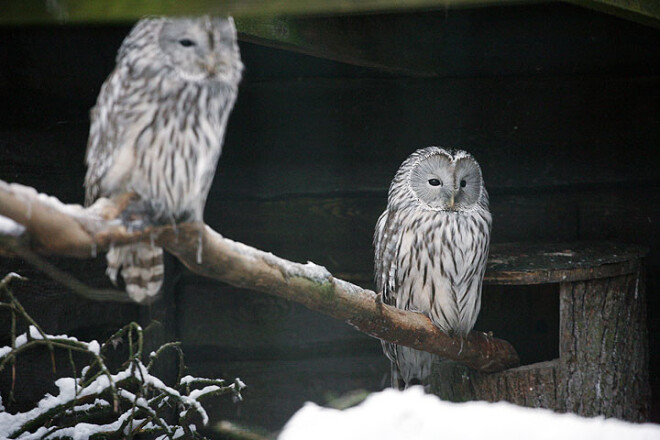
[[642, 11], [77, 11], [364, 40]]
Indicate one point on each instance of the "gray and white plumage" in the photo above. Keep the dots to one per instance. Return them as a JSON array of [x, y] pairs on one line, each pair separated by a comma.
[[157, 130], [431, 246]]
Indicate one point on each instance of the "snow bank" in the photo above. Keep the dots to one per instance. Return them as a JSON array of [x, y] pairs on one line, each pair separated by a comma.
[[413, 415]]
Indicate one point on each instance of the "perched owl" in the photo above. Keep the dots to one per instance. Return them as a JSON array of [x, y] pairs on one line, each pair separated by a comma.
[[431, 246], [157, 130]]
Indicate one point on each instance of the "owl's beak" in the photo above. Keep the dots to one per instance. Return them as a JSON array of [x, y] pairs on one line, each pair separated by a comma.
[[451, 201], [216, 66], [210, 65]]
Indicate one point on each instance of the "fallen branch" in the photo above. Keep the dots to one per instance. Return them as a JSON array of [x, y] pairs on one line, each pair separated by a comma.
[[53, 228]]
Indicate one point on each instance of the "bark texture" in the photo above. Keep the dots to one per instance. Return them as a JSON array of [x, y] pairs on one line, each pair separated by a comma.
[[530, 385], [603, 364], [603, 348]]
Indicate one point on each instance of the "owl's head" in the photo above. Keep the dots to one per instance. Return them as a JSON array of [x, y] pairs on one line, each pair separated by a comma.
[[202, 48], [196, 49], [441, 180]]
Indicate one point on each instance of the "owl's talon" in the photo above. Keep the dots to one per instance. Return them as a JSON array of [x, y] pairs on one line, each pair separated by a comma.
[[137, 216]]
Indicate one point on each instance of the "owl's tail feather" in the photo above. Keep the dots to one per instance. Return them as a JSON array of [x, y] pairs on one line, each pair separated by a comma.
[[141, 268]]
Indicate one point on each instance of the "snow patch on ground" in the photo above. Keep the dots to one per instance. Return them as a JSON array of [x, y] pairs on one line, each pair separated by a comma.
[[412, 414]]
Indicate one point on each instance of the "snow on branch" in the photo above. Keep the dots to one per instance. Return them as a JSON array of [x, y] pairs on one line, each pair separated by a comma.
[[54, 228]]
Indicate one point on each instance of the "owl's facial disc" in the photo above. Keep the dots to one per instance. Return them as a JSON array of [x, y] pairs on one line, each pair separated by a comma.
[[431, 181], [444, 184], [467, 175], [201, 49]]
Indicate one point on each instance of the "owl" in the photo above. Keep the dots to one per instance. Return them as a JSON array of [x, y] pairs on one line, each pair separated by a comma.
[[157, 130], [431, 246]]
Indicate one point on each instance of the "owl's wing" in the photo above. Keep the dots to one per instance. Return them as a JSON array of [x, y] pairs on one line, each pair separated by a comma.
[[386, 242], [103, 133]]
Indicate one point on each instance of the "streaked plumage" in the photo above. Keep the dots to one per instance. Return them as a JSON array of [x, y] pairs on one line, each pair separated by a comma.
[[431, 246], [157, 130]]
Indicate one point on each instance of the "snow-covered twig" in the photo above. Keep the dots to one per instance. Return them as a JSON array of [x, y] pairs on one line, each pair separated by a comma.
[[70, 230], [82, 410]]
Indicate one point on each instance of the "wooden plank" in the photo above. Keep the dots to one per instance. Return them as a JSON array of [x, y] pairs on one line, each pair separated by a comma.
[[615, 214], [357, 39], [57, 309], [72, 61], [77, 11], [337, 231], [642, 11], [354, 125], [240, 324], [277, 388], [357, 124], [532, 263], [433, 41]]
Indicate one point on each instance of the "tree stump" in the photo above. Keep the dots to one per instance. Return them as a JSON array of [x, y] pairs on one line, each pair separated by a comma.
[[602, 367]]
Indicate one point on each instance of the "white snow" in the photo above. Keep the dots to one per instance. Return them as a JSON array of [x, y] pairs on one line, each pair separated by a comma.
[[414, 415], [82, 431], [185, 380], [178, 433], [4, 351], [67, 391], [34, 334], [94, 347], [10, 227], [289, 269], [98, 403], [71, 389], [310, 270], [28, 194], [240, 383], [21, 340], [196, 394], [11, 422]]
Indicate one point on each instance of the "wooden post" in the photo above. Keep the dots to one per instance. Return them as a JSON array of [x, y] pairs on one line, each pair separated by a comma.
[[602, 367], [603, 357]]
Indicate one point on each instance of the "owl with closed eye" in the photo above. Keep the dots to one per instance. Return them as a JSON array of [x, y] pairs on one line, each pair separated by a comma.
[[431, 246], [157, 131]]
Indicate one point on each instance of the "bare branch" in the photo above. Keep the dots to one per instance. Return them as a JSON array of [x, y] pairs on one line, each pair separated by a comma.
[[55, 228]]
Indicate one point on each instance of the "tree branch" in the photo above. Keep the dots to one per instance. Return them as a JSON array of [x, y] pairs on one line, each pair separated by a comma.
[[53, 228]]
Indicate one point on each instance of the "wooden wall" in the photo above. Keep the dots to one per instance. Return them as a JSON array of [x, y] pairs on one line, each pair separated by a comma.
[[561, 106]]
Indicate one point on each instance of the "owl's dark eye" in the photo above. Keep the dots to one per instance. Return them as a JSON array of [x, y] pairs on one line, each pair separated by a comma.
[[463, 183], [186, 42], [434, 182]]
